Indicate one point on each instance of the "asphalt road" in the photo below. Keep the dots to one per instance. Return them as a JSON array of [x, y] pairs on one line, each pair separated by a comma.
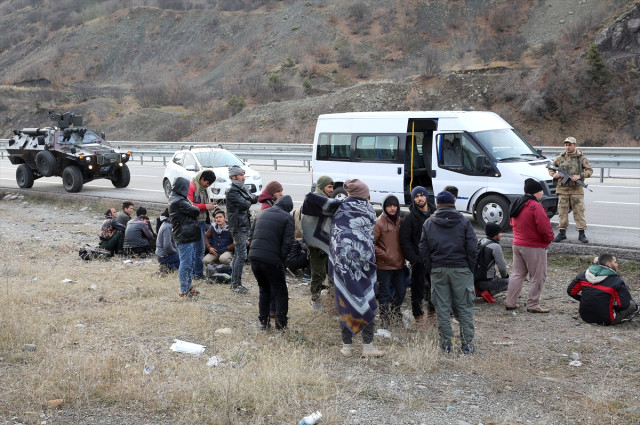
[[613, 208]]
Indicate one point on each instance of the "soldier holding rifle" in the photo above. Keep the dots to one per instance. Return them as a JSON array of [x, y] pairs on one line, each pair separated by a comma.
[[570, 191]]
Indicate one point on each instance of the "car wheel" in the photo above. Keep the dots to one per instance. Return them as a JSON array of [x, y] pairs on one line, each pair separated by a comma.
[[72, 179], [493, 209], [121, 177], [166, 185], [46, 163], [339, 193], [24, 176]]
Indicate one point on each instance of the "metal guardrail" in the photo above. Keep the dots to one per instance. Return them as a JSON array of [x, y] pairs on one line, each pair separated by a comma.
[[599, 157]]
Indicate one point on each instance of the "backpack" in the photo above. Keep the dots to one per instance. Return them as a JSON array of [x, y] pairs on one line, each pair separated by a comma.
[[484, 261], [88, 253]]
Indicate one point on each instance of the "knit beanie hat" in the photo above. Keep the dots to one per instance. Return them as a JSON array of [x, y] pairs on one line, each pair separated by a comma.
[[235, 170], [418, 190], [491, 230], [445, 197], [323, 182], [356, 188], [273, 187], [532, 186]]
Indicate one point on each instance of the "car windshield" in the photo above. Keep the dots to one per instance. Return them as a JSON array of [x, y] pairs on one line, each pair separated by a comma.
[[506, 145], [76, 139], [218, 158]]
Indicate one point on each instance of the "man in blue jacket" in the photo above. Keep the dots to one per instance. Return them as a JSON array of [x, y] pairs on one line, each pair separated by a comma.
[[271, 241], [448, 247], [604, 297]]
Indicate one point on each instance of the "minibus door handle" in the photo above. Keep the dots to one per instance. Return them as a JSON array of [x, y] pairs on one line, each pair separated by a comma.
[[399, 170]]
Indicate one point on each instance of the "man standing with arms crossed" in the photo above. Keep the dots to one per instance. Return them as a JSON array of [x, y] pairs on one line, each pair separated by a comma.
[[571, 194], [239, 200]]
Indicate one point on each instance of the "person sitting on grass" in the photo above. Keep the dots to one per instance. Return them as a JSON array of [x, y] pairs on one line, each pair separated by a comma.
[[111, 233]]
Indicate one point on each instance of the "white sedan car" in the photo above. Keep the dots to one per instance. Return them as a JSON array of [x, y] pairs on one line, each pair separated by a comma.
[[187, 162]]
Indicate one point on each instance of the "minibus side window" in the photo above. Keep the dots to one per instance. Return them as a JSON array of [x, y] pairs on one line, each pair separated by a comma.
[[377, 148], [334, 147], [457, 152]]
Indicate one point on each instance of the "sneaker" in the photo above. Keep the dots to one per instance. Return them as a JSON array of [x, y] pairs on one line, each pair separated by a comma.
[[185, 296], [239, 289], [538, 310], [192, 291], [632, 315], [487, 296], [468, 349], [445, 347], [513, 307]]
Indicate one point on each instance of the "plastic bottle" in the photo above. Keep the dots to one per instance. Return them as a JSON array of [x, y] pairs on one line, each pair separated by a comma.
[[312, 419]]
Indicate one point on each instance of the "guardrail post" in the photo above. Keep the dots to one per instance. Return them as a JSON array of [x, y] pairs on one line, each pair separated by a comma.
[[275, 164], [601, 175]]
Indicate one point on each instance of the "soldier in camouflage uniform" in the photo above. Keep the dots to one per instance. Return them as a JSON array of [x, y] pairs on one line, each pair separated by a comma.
[[570, 194]]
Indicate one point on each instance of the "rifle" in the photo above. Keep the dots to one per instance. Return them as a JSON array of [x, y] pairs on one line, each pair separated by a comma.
[[566, 176]]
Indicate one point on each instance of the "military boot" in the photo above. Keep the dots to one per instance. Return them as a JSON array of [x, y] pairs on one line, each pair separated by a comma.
[[562, 235], [581, 237]]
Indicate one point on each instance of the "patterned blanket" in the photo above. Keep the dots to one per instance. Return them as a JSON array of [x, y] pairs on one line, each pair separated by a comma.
[[344, 229]]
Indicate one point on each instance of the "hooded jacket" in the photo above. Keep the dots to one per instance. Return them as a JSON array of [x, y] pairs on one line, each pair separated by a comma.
[[531, 226], [386, 240], [448, 240], [272, 233], [601, 292], [239, 200], [165, 245], [183, 214], [266, 199], [411, 231]]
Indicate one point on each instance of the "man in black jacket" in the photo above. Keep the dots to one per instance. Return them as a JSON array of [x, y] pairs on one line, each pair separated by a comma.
[[448, 247], [239, 200], [410, 232], [272, 237], [604, 297], [186, 232]]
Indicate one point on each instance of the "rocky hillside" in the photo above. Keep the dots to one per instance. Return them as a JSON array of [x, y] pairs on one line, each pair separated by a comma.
[[262, 70]]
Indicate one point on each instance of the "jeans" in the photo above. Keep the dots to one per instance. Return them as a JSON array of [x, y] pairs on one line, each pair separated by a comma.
[[420, 288], [273, 286], [187, 253], [172, 261], [240, 237], [198, 267], [393, 287]]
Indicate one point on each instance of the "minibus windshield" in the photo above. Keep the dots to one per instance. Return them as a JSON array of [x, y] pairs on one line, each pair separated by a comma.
[[506, 145]]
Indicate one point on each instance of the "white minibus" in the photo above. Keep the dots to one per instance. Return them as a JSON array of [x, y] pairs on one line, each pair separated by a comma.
[[393, 152]]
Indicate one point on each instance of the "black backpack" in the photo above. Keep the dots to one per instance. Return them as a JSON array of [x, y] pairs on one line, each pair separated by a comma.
[[484, 261]]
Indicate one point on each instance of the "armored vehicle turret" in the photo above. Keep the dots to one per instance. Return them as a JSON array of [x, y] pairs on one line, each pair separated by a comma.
[[66, 150]]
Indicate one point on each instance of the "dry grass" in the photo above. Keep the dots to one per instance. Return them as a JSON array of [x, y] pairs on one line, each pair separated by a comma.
[[95, 336]]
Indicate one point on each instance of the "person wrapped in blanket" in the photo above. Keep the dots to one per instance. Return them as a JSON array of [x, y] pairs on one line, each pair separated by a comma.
[[344, 229]]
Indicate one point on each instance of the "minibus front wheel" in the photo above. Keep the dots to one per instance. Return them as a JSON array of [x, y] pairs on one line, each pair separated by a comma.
[[493, 209]]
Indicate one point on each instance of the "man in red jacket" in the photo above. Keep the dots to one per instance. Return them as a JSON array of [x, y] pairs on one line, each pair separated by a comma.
[[532, 234]]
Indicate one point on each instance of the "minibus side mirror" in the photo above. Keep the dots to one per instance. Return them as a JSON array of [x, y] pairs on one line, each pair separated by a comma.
[[482, 163]]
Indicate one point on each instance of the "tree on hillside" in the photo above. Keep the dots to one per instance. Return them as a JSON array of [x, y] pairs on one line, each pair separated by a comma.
[[597, 69], [276, 83], [236, 104]]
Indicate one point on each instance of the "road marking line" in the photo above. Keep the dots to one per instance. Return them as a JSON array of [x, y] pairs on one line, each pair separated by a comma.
[[605, 226], [615, 187], [623, 203]]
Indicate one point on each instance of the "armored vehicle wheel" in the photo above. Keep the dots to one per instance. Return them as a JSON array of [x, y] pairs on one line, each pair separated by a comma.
[[121, 177], [166, 185], [46, 163], [72, 179], [24, 176]]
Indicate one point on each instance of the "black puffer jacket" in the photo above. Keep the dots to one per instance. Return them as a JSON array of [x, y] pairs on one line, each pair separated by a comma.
[[183, 214], [239, 200], [273, 233], [411, 232], [448, 240]]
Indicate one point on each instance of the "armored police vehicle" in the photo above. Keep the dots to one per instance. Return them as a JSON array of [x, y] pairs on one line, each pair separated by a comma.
[[66, 150]]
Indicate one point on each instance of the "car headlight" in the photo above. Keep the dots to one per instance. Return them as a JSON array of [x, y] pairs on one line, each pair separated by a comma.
[[221, 179], [256, 176], [124, 155]]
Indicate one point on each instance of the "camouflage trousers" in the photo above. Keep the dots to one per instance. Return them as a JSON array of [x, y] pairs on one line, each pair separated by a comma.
[[574, 203]]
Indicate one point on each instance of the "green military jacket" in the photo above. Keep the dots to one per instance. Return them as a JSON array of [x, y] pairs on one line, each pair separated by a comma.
[[575, 163]]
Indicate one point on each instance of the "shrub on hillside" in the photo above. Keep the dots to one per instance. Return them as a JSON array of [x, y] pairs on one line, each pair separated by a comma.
[[276, 82]]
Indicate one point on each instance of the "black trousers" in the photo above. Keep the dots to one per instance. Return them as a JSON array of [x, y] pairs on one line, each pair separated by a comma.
[[272, 286], [420, 289], [494, 286]]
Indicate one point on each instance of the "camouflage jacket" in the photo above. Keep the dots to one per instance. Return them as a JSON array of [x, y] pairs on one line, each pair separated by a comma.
[[574, 163]]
